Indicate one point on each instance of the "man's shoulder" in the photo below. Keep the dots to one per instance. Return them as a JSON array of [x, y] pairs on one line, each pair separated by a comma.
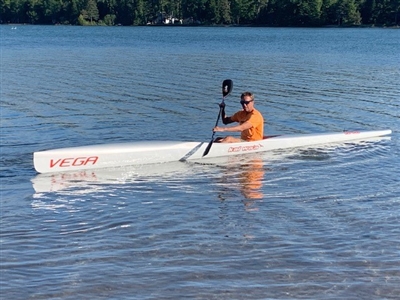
[[239, 113], [257, 113]]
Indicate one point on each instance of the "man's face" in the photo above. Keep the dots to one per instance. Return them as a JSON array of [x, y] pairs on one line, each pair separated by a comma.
[[247, 103]]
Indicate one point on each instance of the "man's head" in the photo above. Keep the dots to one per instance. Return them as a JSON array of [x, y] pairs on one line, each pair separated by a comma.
[[247, 101]]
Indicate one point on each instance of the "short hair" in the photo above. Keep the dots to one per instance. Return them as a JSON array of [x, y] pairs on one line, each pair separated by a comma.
[[249, 94]]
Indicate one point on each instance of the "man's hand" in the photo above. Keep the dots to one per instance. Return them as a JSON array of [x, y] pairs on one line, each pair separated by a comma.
[[218, 129]]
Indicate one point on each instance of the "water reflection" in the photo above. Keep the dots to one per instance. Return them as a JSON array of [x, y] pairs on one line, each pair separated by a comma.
[[90, 181], [243, 174], [251, 179]]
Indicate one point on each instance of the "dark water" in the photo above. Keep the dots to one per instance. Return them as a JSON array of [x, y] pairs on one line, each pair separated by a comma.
[[321, 223]]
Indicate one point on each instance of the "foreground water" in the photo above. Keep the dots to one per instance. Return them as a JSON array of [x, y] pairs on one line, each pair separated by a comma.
[[320, 223]]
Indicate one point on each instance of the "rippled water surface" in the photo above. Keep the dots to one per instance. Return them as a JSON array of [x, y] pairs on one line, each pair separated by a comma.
[[319, 223]]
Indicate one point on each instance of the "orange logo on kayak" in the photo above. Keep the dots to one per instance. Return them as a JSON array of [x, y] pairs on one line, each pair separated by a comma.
[[234, 149], [351, 132], [73, 162], [251, 148], [244, 148]]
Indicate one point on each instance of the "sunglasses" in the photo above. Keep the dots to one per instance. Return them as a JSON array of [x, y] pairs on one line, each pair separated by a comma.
[[243, 102]]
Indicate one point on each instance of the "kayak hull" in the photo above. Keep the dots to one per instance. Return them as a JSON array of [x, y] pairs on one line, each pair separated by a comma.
[[286, 142], [110, 155], [153, 152]]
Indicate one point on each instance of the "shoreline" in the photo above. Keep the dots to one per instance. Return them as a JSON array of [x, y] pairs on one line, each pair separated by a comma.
[[208, 25]]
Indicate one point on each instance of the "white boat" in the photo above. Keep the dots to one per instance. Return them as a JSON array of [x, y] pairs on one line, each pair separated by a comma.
[[154, 152]]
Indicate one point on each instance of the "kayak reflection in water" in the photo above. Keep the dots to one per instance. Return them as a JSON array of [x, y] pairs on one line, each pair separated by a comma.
[[251, 122]]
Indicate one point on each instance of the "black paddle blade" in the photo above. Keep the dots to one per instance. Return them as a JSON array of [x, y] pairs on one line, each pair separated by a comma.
[[227, 86], [208, 147]]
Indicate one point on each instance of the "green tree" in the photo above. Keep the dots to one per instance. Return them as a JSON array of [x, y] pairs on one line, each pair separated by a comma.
[[139, 13], [17, 10], [5, 11], [52, 10], [124, 11], [72, 9], [387, 12], [367, 11], [349, 12], [309, 12], [243, 11], [31, 9], [328, 12], [213, 12], [91, 12], [109, 20], [395, 5], [106, 7], [225, 11]]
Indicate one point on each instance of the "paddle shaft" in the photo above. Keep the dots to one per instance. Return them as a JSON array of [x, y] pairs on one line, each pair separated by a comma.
[[212, 137], [227, 86]]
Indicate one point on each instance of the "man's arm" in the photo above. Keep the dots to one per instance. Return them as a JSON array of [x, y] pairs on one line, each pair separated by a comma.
[[226, 120], [238, 128]]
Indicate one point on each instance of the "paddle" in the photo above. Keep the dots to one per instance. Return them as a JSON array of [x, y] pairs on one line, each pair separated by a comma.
[[227, 86]]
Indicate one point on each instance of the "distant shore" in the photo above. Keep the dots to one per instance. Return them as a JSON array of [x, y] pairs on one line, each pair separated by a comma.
[[210, 25]]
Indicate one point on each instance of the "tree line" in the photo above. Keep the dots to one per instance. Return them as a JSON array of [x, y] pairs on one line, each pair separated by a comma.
[[208, 12]]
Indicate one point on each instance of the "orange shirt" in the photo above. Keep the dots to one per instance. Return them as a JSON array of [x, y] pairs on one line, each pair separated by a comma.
[[256, 119]]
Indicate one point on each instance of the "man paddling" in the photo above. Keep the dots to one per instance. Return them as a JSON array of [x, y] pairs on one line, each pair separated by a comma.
[[251, 122]]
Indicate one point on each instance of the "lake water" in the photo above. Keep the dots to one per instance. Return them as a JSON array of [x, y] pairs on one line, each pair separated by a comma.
[[317, 223]]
